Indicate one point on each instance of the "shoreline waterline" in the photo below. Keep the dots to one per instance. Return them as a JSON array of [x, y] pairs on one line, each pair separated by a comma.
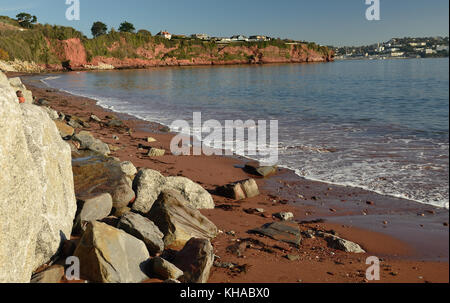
[[440, 204]]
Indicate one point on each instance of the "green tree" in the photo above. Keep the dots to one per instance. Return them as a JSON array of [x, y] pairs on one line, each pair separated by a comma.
[[99, 29], [144, 32], [26, 20], [126, 27]]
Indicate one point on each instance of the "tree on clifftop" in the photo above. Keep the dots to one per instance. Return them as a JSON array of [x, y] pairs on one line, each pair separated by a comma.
[[26, 20], [99, 29], [126, 27]]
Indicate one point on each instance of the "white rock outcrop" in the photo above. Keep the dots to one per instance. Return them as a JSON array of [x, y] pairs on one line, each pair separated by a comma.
[[37, 199]]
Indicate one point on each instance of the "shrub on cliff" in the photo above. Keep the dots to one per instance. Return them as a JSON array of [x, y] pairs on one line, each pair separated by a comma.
[[126, 27], [26, 20], [99, 29]]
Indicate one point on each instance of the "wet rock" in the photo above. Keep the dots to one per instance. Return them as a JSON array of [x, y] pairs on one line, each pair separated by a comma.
[[164, 270], [93, 209], [52, 275], [87, 141], [264, 171], [195, 260], [178, 221], [285, 216], [282, 231], [143, 229], [42, 102], [156, 152], [110, 255], [65, 130]]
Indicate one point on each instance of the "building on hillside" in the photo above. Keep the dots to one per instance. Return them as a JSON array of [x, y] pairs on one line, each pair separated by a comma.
[[164, 34], [200, 36], [239, 38], [257, 38]]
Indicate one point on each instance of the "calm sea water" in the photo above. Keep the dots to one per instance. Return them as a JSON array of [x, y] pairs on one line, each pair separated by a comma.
[[387, 121]]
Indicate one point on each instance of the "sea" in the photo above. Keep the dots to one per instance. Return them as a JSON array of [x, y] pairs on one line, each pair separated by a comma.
[[380, 125]]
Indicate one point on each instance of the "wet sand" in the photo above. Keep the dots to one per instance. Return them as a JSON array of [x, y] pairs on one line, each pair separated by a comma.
[[410, 238]]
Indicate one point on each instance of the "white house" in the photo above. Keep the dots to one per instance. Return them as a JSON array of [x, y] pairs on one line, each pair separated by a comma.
[[164, 34]]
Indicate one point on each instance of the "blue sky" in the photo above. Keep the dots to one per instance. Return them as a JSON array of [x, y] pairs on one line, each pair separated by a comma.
[[335, 22]]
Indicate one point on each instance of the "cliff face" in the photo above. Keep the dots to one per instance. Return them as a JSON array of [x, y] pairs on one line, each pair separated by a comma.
[[59, 48]]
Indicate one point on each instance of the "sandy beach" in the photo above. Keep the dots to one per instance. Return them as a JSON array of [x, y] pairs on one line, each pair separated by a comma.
[[409, 238]]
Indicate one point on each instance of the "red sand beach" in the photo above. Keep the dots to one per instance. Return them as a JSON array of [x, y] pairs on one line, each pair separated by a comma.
[[411, 239]]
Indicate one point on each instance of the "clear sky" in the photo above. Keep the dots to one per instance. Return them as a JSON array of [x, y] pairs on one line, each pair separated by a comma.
[[328, 22]]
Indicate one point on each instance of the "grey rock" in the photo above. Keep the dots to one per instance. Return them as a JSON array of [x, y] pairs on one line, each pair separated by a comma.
[[341, 244], [164, 270], [143, 229], [128, 168], [93, 209], [148, 184], [178, 221], [195, 260], [282, 231], [156, 152], [87, 141], [196, 196], [285, 216], [110, 255], [122, 195]]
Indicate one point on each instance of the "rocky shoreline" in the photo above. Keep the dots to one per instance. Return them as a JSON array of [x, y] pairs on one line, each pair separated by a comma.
[[144, 215]]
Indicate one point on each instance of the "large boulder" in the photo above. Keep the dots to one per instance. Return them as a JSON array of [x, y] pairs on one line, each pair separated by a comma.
[[178, 221], [149, 183], [110, 255], [143, 229], [196, 196], [37, 199], [195, 260]]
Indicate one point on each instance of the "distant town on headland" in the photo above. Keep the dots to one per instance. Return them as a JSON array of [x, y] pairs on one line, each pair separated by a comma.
[[396, 48]]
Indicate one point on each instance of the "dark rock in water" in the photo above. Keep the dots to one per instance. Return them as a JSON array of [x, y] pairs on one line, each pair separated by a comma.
[[164, 129], [195, 260], [178, 221], [282, 231], [256, 169], [145, 230]]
